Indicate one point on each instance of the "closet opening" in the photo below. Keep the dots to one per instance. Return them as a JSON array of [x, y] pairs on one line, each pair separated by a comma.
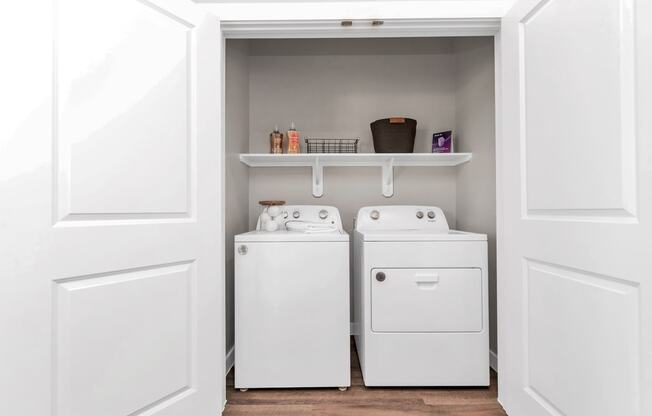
[[334, 89]]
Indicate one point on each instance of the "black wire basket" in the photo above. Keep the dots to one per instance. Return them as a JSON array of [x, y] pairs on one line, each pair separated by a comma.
[[332, 145]]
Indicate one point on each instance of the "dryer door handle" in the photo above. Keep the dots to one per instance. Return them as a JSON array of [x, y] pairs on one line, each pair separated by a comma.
[[426, 281], [426, 278]]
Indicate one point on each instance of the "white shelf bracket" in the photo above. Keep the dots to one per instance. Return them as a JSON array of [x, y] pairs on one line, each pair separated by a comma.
[[317, 179], [388, 178]]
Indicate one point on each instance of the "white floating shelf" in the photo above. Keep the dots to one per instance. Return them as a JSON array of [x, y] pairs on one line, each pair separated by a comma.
[[387, 161], [355, 159]]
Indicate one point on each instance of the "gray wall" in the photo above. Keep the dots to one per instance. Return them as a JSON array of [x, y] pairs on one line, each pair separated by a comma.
[[475, 128], [349, 189], [336, 87], [237, 174]]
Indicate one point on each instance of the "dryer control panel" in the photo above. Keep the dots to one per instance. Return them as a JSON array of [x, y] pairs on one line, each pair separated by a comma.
[[402, 217]]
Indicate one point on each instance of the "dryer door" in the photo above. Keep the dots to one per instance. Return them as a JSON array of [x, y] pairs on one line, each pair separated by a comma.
[[426, 300]]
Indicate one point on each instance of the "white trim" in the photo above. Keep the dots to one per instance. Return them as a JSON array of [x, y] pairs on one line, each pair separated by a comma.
[[234, 26], [261, 10], [353, 328], [222, 214], [246, 29], [498, 108], [493, 360], [229, 360]]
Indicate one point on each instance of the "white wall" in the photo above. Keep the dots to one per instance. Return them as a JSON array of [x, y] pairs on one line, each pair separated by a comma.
[[475, 132], [237, 174], [336, 87]]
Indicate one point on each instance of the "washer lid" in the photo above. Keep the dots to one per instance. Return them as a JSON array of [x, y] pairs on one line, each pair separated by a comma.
[[419, 235], [287, 236]]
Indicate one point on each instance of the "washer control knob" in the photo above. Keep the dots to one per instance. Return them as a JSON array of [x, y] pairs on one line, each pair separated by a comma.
[[431, 214], [419, 214], [323, 214], [374, 215], [380, 276], [242, 250], [296, 214]]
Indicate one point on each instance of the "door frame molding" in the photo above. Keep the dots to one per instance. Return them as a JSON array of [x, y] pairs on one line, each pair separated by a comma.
[[391, 28], [360, 28]]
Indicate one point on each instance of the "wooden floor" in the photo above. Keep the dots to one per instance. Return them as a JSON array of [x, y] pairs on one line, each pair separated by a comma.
[[359, 400]]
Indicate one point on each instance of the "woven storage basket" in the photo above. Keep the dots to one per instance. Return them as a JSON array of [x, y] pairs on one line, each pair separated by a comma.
[[394, 135]]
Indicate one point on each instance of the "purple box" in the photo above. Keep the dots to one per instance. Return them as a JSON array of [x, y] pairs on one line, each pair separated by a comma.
[[442, 142]]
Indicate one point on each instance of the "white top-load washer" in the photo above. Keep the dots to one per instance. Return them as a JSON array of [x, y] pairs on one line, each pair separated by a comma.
[[420, 301], [292, 302]]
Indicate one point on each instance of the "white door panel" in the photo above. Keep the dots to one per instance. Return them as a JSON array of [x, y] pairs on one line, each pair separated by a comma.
[[575, 312], [105, 81], [91, 332], [110, 217], [577, 103]]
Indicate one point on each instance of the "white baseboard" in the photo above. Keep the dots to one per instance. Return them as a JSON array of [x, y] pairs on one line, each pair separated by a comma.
[[230, 360], [493, 360]]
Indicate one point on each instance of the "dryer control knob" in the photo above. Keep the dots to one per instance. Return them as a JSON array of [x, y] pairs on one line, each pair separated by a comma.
[[419, 214], [323, 214], [374, 215], [380, 276], [431, 214], [296, 214]]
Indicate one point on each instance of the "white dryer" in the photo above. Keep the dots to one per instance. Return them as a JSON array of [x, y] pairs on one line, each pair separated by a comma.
[[292, 302], [420, 301]]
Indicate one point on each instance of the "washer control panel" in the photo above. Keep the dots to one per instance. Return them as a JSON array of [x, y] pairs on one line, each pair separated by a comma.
[[303, 213]]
